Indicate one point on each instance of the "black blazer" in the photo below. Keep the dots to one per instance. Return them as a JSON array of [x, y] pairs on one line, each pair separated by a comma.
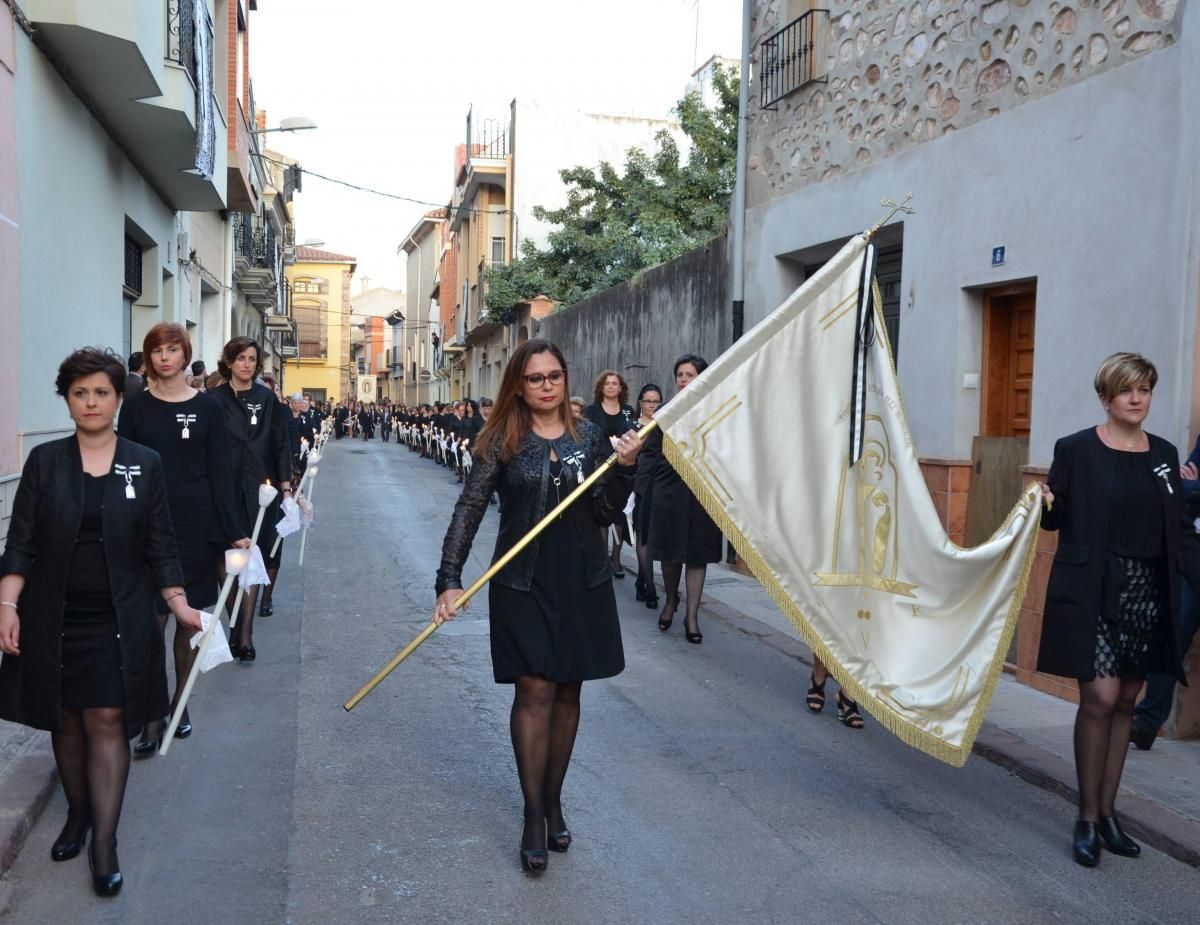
[[258, 451], [1081, 478], [140, 545], [524, 484]]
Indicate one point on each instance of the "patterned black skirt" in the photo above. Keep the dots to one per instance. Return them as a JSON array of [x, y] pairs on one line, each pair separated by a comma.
[[1131, 629]]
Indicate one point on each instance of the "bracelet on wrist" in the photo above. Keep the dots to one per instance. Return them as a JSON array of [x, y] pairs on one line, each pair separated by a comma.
[[11, 604]]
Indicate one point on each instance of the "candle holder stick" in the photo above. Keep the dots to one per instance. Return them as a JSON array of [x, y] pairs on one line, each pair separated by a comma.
[[233, 567]]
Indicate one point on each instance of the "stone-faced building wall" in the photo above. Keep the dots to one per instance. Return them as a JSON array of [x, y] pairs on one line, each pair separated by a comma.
[[902, 73]]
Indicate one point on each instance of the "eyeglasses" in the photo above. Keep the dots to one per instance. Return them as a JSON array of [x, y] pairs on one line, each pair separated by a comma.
[[650, 401], [537, 380]]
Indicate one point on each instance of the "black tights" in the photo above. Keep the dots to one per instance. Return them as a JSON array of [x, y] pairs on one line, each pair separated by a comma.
[[268, 593], [92, 755], [243, 634], [1102, 742], [545, 717], [645, 565], [185, 656], [672, 571]]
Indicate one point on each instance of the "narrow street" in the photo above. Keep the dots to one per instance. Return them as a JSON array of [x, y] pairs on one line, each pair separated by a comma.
[[701, 791]]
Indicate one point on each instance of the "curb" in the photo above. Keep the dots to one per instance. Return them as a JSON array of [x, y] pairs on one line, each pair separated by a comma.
[[1146, 819], [27, 780]]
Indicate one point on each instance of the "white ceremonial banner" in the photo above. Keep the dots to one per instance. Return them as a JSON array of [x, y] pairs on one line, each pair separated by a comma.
[[913, 626]]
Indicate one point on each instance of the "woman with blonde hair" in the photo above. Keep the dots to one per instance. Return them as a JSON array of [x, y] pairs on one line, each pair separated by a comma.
[[1112, 602], [552, 611]]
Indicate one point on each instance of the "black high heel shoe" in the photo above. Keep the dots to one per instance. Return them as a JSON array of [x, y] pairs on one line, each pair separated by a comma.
[[1115, 839], [248, 654], [147, 748], [559, 841], [667, 617], [694, 638], [1086, 847], [639, 589], [105, 884], [65, 847], [533, 860]]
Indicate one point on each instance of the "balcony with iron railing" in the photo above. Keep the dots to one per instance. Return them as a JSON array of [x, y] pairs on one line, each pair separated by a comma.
[[792, 57], [145, 68], [489, 145], [257, 258]]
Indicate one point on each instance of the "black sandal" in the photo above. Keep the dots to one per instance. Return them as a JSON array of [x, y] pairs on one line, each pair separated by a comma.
[[848, 714], [815, 698]]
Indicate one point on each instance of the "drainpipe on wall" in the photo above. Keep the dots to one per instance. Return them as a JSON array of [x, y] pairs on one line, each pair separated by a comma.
[[738, 283], [227, 279], [739, 187]]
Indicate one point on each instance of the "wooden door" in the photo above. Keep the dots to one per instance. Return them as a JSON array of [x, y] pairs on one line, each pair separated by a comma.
[[1009, 321]]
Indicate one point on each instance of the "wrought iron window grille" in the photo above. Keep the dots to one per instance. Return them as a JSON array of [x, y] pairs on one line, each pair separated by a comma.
[[790, 58]]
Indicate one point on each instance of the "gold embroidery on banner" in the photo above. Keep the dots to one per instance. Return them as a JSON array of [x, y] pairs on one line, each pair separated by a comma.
[[876, 523], [835, 314], [700, 435]]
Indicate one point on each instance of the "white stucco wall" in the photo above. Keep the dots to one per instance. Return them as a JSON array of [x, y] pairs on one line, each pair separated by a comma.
[[1094, 193], [76, 189]]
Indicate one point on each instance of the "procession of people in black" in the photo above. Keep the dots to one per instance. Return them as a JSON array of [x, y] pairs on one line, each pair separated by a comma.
[[117, 529], [123, 525]]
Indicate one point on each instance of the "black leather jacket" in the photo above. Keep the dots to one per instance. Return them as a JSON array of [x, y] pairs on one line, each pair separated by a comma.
[[523, 484]]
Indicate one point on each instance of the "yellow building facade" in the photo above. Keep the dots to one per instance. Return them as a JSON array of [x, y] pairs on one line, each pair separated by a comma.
[[320, 294]]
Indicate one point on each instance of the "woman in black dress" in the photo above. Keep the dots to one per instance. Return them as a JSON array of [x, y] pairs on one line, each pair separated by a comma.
[[88, 545], [258, 445], [1112, 601], [649, 398], [552, 611], [681, 532], [187, 430], [611, 412]]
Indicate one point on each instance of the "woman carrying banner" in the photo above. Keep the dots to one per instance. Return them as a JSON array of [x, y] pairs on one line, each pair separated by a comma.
[[649, 398], [187, 430], [258, 443], [552, 611], [681, 532], [610, 412], [89, 549], [1112, 601]]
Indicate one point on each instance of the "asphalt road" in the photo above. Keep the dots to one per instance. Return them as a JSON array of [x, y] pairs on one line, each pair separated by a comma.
[[701, 791]]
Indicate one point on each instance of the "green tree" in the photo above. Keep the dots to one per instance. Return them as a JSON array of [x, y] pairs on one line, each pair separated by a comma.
[[617, 223]]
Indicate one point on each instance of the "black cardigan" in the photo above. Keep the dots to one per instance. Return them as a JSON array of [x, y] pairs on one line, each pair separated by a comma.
[[259, 451], [140, 547], [523, 483], [1081, 478]]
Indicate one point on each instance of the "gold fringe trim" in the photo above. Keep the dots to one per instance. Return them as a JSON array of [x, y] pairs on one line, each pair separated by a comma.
[[894, 722]]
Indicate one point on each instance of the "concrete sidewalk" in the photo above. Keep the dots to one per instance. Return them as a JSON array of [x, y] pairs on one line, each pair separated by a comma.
[[27, 778], [1027, 731]]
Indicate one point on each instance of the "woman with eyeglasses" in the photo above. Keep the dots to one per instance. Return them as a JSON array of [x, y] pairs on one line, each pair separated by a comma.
[[682, 535], [552, 611], [648, 400]]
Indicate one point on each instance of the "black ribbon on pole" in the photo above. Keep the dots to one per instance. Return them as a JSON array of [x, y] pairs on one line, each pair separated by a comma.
[[864, 337]]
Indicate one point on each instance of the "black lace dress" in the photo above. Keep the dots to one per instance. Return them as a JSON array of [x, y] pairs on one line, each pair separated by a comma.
[[560, 628], [1134, 614]]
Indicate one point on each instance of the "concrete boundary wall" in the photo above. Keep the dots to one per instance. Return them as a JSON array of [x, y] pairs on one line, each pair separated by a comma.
[[640, 327]]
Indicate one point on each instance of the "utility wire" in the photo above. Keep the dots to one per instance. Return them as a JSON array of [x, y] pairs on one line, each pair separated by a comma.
[[386, 195]]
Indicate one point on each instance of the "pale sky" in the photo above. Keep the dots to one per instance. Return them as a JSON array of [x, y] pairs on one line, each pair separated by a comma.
[[389, 83]]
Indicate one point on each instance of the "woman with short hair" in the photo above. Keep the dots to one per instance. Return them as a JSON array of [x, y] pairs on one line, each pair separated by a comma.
[[258, 444], [89, 543], [682, 535], [187, 430], [1112, 602], [552, 611]]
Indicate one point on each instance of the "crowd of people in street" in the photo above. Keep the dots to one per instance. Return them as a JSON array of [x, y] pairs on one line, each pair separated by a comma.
[[121, 528], [117, 530]]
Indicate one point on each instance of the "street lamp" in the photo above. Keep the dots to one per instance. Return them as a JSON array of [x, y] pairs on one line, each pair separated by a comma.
[[314, 242], [290, 124]]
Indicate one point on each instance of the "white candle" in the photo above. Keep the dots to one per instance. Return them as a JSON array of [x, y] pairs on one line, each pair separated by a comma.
[[266, 494], [236, 561]]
